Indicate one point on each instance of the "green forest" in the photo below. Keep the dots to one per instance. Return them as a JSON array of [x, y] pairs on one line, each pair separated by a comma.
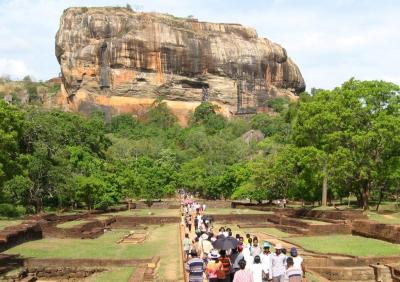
[[340, 141]]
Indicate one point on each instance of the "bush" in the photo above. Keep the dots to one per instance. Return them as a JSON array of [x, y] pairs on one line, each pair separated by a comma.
[[278, 104], [9, 210]]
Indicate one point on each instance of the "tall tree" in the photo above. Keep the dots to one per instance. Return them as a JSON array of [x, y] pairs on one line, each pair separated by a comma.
[[359, 119]]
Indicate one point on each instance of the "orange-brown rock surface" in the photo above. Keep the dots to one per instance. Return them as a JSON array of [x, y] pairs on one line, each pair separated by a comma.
[[120, 60]]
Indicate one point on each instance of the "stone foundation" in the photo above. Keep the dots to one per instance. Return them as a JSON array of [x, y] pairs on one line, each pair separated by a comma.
[[386, 232]]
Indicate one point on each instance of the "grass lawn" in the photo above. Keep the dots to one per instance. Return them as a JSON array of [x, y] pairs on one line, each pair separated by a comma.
[[5, 223], [234, 211], [72, 223], [347, 245], [114, 274], [163, 241], [316, 222], [387, 206], [102, 217], [145, 212], [385, 218]]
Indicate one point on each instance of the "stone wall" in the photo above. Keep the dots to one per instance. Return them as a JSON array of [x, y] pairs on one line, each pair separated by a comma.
[[18, 234], [91, 229], [367, 228], [34, 262], [158, 205], [233, 218], [127, 222]]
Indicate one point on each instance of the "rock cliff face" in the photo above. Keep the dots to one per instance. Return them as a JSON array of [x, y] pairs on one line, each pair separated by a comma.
[[121, 61]]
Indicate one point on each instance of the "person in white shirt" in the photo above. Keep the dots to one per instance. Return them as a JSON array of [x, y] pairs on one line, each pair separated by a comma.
[[247, 257], [199, 221], [256, 269], [266, 262], [278, 263], [297, 261]]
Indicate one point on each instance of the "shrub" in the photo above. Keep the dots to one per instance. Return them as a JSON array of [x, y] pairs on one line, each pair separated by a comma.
[[129, 7], [278, 104], [9, 210]]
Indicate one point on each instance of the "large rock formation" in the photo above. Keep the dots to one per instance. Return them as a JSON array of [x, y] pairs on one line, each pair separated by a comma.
[[122, 60]]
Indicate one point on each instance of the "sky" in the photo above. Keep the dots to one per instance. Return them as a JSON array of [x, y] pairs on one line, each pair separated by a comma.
[[330, 40]]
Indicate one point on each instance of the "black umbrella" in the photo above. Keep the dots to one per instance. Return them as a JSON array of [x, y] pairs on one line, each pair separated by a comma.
[[207, 217], [225, 243]]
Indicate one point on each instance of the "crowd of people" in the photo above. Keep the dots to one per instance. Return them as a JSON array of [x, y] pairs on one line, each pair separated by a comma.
[[222, 257]]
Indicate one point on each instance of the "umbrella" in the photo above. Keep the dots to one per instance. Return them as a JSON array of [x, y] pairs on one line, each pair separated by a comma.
[[225, 243], [208, 217]]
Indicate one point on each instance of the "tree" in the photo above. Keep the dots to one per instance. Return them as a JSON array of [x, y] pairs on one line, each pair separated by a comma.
[[17, 190], [278, 104], [89, 190], [27, 79], [358, 121], [159, 115], [129, 7], [11, 130], [204, 111]]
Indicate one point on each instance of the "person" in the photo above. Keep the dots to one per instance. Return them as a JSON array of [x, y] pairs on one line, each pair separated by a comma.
[[187, 245], [249, 243], [225, 233], [203, 227], [234, 254], [243, 274], [266, 262], [196, 246], [255, 250], [199, 220], [188, 219], [239, 257], [213, 238], [214, 266], [195, 266], [196, 223], [247, 254], [257, 269], [278, 264], [284, 202], [246, 241], [292, 273], [297, 260], [204, 207], [205, 245], [226, 266]]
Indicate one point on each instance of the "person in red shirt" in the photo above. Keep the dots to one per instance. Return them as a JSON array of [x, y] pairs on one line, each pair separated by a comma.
[[226, 266]]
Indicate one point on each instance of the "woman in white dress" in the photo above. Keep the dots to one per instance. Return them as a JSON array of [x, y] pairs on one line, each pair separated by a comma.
[[256, 269]]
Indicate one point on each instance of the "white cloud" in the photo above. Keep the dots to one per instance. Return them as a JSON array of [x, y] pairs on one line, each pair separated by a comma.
[[17, 69]]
